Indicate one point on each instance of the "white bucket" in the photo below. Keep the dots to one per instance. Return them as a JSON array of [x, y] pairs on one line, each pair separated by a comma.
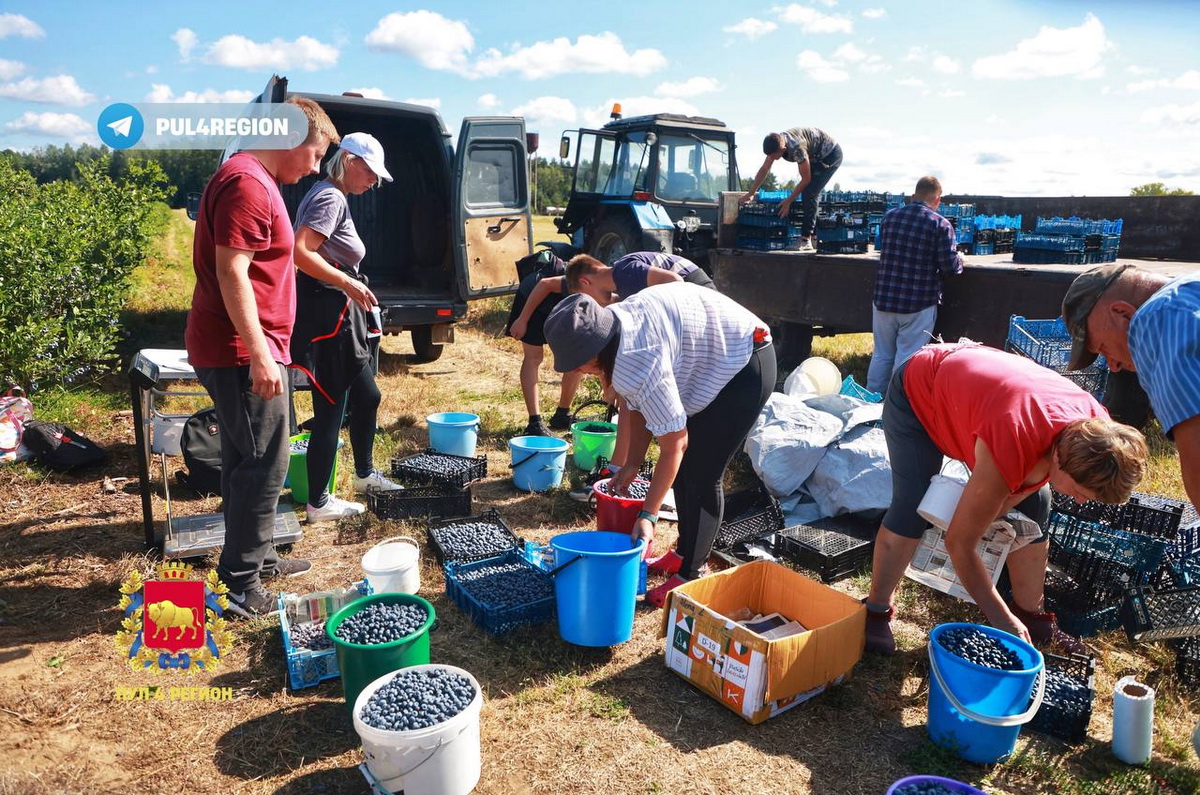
[[940, 500], [824, 374], [440, 760], [393, 566]]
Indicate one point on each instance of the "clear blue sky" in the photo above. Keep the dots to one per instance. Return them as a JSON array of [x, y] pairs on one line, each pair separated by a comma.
[[1013, 97]]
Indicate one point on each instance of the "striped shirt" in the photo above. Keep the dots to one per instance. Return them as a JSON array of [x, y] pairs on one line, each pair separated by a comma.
[[1164, 340], [631, 272], [917, 247], [807, 143], [680, 345]]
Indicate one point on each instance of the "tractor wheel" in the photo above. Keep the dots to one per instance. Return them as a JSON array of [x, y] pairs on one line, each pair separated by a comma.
[[424, 346], [613, 239]]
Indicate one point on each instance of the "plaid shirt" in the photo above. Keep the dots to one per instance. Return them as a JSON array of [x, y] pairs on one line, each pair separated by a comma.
[[918, 247]]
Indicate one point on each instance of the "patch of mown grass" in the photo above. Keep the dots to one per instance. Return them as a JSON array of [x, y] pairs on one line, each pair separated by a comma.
[[81, 408]]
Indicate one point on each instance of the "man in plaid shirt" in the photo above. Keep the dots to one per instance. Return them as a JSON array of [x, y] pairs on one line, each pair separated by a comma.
[[917, 248]]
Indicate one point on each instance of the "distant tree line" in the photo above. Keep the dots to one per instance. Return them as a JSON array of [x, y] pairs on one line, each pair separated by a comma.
[[187, 171]]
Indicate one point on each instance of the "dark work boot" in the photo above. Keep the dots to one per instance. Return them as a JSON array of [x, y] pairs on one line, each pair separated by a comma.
[[1045, 632], [879, 631]]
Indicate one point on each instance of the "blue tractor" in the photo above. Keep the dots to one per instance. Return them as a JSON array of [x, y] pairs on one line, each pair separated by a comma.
[[648, 183]]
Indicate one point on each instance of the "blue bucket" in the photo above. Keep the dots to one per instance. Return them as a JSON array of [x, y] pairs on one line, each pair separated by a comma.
[[595, 586], [978, 711], [453, 432], [947, 784], [537, 462]]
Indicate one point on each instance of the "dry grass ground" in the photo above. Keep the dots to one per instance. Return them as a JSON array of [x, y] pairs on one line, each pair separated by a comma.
[[556, 718]]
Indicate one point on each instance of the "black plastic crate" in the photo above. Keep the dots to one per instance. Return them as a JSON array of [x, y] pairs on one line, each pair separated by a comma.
[[825, 548], [1076, 536], [1149, 615], [1066, 709], [501, 540], [421, 502], [434, 468], [834, 247], [749, 514], [1187, 661], [1094, 581], [1147, 514], [494, 618], [1094, 382]]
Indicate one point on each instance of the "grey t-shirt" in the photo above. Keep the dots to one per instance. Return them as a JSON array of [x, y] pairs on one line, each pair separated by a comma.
[[807, 143], [325, 211]]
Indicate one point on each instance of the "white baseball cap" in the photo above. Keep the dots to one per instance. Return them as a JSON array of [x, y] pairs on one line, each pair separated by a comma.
[[369, 149]]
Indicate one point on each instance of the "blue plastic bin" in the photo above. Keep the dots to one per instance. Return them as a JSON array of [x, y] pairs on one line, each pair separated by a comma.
[[453, 432], [596, 586], [537, 462]]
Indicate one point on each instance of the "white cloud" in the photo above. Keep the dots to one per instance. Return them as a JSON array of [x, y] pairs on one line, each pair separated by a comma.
[[1053, 52], [911, 82], [239, 52], [688, 88], [488, 101], [591, 54], [57, 90], [1188, 81], [850, 52], [547, 113], [751, 28], [1173, 114], [1134, 69], [945, 64], [915, 54], [820, 70], [811, 20], [370, 92], [10, 69], [53, 125], [17, 25], [950, 93], [186, 40], [874, 13], [429, 38], [428, 102], [160, 92]]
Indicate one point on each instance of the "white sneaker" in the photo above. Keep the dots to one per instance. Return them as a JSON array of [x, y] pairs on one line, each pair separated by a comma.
[[375, 482], [334, 508], [806, 247]]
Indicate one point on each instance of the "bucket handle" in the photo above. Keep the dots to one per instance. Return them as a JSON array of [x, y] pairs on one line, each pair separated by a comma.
[[441, 741], [554, 571], [978, 717], [393, 539], [530, 457]]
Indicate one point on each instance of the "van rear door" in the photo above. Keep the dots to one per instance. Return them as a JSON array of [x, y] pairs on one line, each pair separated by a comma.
[[491, 204]]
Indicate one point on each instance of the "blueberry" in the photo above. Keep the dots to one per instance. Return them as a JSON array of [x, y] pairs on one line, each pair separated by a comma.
[[505, 585], [472, 539], [637, 489], [418, 700], [311, 636], [382, 623], [976, 646]]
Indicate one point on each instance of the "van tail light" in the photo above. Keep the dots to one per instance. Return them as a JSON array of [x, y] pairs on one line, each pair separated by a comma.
[[444, 313]]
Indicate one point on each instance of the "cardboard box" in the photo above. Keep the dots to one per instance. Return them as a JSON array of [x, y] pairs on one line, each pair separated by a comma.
[[755, 677]]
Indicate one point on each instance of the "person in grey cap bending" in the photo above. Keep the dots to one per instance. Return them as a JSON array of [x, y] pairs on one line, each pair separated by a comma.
[[695, 369], [1150, 324]]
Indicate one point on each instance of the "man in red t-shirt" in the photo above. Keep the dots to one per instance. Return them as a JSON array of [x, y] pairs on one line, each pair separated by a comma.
[[237, 337], [1020, 428]]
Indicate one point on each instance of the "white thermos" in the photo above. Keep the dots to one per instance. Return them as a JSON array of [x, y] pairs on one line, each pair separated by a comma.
[[1133, 721]]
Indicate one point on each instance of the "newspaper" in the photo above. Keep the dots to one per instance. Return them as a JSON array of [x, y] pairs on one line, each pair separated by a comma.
[[931, 564]]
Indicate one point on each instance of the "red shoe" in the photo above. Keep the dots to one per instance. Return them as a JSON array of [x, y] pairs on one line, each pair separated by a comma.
[[1045, 632], [658, 596], [665, 564], [879, 632]]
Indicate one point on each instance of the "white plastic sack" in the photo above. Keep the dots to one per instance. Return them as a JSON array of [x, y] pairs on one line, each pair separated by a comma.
[[854, 475], [788, 440], [850, 410]]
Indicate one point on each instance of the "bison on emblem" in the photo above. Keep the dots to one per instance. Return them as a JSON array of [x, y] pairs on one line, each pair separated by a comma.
[[167, 615]]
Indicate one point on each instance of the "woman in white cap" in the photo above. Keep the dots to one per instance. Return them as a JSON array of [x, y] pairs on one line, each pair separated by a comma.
[[694, 368], [336, 325]]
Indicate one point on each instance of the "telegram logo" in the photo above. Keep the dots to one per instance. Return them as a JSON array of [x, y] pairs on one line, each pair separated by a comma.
[[120, 126]]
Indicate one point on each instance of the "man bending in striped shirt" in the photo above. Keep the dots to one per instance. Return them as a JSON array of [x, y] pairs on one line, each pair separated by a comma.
[[1148, 323]]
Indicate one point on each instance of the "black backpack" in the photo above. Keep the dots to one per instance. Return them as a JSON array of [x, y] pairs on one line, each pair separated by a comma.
[[200, 443], [56, 446]]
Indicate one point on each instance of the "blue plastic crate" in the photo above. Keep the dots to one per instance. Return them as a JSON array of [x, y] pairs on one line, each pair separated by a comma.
[[1047, 342], [983, 249], [307, 668], [1139, 553], [498, 619], [843, 234]]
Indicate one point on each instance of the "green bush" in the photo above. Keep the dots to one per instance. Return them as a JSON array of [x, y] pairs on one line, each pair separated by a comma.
[[67, 250]]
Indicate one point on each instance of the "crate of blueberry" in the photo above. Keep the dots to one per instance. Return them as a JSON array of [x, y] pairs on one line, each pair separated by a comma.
[[749, 514], [1149, 615], [431, 467], [485, 535], [931, 785], [501, 593], [421, 502], [1070, 691], [307, 648]]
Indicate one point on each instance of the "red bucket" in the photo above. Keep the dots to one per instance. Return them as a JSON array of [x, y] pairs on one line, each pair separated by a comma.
[[615, 514]]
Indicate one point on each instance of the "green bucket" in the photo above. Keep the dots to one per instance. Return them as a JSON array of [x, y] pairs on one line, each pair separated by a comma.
[[360, 664], [590, 445], [297, 474]]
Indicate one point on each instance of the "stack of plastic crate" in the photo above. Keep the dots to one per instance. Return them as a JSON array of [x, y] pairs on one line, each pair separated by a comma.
[[843, 233], [1048, 343], [1069, 241], [1099, 552], [761, 229], [994, 234]]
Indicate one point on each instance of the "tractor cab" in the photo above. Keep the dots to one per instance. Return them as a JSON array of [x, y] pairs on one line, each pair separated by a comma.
[[648, 183]]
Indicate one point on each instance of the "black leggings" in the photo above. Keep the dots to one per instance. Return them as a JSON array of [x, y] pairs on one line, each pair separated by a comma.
[[363, 398], [714, 435]]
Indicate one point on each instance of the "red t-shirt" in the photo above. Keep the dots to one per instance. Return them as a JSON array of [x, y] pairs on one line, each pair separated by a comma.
[[961, 393], [242, 208]]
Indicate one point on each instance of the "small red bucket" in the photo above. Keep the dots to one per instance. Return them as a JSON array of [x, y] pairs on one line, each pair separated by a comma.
[[615, 514]]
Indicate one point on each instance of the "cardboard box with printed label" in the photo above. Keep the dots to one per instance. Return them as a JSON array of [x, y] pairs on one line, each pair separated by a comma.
[[755, 677]]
